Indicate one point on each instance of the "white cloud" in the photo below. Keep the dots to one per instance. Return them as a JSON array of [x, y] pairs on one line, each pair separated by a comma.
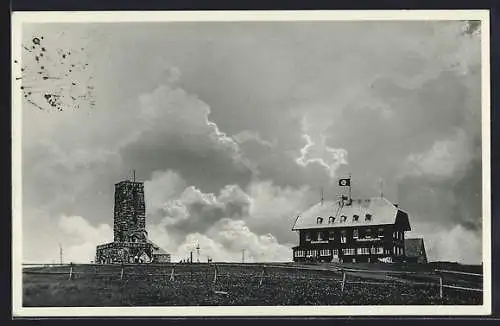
[[443, 159], [319, 153], [247, 135], [456, 244], [84, 237], [227, 222], [227, 239]]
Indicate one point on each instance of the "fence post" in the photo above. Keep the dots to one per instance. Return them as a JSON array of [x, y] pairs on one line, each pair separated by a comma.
[[121, 274], [343, 281], [262, 275], [172, 274], [215, 273], [70, 271], [440, 286]]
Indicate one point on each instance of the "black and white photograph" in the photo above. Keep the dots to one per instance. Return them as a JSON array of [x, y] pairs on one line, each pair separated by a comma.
[[247, 163]]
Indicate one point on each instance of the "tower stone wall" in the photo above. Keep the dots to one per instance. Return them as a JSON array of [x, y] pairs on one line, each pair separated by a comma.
[[129, 212]]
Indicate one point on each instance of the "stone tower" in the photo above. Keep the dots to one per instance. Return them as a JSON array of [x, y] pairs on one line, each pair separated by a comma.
[[130, 212]]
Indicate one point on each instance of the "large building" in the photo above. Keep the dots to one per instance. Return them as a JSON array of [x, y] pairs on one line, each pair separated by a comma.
[[352, 230], [130, 238]]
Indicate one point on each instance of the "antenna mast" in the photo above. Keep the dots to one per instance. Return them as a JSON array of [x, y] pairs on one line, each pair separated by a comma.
[[133, 171], [322, 196], [198, 252]]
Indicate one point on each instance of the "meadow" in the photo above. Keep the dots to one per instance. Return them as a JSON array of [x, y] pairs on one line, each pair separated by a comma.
[[233, 284]]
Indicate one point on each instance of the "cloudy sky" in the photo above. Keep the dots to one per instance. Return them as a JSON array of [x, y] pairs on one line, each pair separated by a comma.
[[235, 127]]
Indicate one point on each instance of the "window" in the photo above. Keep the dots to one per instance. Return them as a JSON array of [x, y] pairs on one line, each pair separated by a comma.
[[363, 251], [355, 218], [380, 232], [348, 251], [331, 220], [331, 235], [368, 217], [335, 252], [319, 220], [320, 236], [343, 238], [300, 253], [344, 218], [312, 253], [368, 233], [355, 233], [308, 236], [325, 252], [373, 250]]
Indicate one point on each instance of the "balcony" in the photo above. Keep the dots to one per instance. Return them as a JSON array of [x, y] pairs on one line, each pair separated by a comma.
[[369, 239], [319, 241]]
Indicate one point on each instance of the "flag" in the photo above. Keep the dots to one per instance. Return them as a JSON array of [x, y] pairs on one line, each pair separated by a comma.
[[344, 182]]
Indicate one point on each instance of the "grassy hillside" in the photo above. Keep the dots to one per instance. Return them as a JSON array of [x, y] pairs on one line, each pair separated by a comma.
[[236, 284]]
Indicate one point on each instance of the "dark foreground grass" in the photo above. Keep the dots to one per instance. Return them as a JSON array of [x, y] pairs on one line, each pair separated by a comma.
[[232, 287]]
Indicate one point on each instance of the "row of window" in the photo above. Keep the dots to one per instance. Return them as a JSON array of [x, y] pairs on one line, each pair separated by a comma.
[[343, 219], [322, 252], [348, 252], [330, 235]]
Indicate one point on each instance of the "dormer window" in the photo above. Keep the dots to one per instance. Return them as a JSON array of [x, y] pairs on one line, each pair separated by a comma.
[[344, 218], [355, 218], [368, 217], [331, 220], [319, 220]]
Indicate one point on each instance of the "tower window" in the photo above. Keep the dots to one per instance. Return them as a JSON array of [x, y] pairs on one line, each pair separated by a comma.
[[319, 220], [355, 218], [368, 217], [331, 220], [344, 218]]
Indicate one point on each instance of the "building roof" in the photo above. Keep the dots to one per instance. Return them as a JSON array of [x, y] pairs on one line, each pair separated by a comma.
[[414, 247], [156, 249], [378, 210]]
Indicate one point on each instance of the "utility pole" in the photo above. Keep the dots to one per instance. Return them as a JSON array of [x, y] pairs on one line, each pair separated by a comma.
[[133, 171], [191, 257], [198, 253], [60, 254]]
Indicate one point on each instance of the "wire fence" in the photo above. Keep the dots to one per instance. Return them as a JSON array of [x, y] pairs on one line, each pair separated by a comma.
[[215, 272]]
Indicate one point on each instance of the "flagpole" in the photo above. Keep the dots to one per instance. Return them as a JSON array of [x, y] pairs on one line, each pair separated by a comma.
[[350, 193]]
